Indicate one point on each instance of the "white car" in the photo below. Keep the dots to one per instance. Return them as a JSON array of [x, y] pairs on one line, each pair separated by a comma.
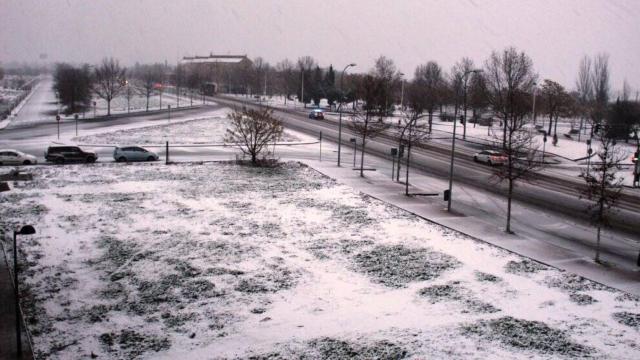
[[134, 153], [15, 157], [490, 157]]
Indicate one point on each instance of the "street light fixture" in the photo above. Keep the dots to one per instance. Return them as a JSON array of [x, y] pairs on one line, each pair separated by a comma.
[[340, 110], [25, 230], [453, 141]]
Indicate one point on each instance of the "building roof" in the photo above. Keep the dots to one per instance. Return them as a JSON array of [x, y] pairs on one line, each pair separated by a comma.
[[228, 59]]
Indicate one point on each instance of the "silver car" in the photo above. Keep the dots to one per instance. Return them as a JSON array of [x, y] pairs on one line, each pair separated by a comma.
[[133, 153], [15, 157]]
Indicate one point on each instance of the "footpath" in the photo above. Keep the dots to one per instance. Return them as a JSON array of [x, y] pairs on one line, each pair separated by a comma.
[[433, 209]]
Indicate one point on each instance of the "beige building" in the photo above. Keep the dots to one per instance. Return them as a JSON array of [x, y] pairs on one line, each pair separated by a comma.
[[222, 73]]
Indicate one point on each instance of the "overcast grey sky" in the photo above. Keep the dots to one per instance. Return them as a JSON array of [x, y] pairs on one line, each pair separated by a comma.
[[555, 33]]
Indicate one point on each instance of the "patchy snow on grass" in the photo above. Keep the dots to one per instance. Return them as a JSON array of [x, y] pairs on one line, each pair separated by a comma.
[[218, 260]]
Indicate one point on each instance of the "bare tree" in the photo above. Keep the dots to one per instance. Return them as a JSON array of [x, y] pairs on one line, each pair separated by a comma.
[[412, 131], [287, 78], [109, 80], [603, 187], [369, 121], [463, 69], [253, 130], [429, 78], [387, 73], [584, 87], [519, 149], [149, 77], [508, 74], [557, 102], [600, 83], [477, 95], [510, 80], [305, 64]]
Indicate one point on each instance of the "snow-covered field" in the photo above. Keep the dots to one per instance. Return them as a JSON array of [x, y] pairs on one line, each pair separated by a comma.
[[218, 260], [210, 130]]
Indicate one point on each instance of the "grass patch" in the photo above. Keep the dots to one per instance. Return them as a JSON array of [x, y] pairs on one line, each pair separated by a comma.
[[397, 265], [528, 335]]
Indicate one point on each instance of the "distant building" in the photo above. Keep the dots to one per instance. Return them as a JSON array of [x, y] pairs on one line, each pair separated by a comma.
[[222, 73]]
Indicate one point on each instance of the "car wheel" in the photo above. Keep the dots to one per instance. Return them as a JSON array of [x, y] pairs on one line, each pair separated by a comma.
[[1, 163], [489, 163], [151, 158], [475, 158], [59, 161], [91, 159], [26, 162], [122, 159]]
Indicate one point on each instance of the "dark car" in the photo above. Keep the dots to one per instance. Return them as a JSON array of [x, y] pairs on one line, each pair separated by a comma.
[[64, 154], [316, 114]]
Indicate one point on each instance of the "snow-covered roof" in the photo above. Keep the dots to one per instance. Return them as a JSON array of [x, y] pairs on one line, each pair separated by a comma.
[[228, 59]]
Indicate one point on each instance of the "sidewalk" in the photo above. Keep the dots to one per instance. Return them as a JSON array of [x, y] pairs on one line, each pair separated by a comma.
[[380, 186], [8, 348]]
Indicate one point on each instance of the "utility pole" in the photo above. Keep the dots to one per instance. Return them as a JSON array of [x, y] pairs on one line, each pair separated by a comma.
[[453, 141], [304, 104], [402, 92]]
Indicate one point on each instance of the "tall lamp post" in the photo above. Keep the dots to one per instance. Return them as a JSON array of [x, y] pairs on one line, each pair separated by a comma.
[[402, 91], [304, 104], [453, 142], [25, 230], [340, 110]]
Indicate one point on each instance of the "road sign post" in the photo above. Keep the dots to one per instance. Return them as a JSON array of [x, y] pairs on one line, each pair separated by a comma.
[[58, 122], [394, 153]]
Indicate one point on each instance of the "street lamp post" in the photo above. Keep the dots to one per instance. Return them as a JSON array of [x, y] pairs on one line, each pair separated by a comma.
[[589, 151], [25, 230], [340, 110], [453, 141], [535, 87], [353, 140], [76, 117], [304, 104], [402, 92]]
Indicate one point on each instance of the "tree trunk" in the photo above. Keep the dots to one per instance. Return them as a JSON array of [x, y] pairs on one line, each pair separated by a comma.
[[430, 121], [555, 127], [406, 183], [148, 101], [509, 196], [550, 122], [108, 107]]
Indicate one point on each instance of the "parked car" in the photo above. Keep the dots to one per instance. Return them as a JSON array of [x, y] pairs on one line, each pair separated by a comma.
[[133, 153], [63, 154], [316, 114], [490, 157], [15, 157]]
